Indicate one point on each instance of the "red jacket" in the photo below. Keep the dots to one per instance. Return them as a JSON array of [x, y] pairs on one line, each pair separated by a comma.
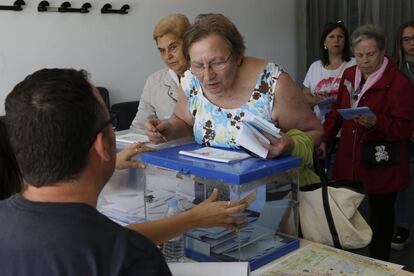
[[392, 100]]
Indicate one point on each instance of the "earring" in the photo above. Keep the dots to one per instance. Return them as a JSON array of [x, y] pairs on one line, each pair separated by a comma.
[[324, 46]]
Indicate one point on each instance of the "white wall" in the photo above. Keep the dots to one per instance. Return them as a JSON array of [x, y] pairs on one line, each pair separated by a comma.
[[118, 50]]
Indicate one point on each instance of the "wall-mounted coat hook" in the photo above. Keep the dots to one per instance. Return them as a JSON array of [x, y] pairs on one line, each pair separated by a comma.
[[107, 8], [17, 6], [66, 7], [44, 7]]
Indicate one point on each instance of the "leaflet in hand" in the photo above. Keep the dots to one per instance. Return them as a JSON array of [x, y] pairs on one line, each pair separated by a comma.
[[325, 105], [214, 154], [130, 138], [326, 101], [251, 129], [351, 113]]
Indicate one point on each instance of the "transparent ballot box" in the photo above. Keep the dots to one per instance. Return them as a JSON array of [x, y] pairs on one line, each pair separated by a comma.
[[267, 186]]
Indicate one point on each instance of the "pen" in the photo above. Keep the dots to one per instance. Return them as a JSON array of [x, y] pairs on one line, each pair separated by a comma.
[[160, 135]]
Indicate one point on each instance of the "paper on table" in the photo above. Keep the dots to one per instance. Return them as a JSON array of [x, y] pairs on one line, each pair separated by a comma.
[[208, 269], [131, 138], [214, 154], [351, 113], [318, 259]]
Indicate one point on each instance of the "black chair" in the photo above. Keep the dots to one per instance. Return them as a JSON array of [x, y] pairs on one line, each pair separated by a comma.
[[125, 112], [105, 96]]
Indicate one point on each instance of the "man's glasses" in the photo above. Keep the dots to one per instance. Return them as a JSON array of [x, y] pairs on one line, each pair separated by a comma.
[[407, 39], [113, 120], [198, 68]]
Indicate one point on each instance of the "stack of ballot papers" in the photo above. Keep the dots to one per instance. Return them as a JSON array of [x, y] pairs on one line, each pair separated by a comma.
[[251, 129], [128, 207], [255, 240]]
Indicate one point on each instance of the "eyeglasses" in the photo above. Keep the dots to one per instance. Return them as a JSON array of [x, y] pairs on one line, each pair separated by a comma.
[[113, 120], [407, 39], [198, 68]]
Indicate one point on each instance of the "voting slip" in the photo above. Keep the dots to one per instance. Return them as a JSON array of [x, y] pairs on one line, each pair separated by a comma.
[[215, 154], [351, 113]]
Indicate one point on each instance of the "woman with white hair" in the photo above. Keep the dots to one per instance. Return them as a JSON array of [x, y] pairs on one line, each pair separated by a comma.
[[375, 83]]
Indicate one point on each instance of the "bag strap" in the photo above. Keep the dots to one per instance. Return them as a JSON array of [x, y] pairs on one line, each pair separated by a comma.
[[325, 200]]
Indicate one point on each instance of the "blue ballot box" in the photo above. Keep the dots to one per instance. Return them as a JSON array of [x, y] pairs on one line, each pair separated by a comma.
[[270, 187]]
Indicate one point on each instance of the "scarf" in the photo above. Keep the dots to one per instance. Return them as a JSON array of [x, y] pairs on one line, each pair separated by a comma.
[[372, 79]]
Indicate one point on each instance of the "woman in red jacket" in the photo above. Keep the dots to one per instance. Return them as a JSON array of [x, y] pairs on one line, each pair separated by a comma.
[[376, 83]]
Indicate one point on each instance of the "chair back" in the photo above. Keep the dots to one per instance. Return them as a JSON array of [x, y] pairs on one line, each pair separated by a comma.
[[125, 112]]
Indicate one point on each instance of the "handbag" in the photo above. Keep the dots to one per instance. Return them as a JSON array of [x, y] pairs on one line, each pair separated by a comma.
[[380, 153], [328, 212]]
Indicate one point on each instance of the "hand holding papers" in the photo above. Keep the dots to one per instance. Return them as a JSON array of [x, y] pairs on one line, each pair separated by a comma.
[[251, 130], [256, 239], [351, 113]]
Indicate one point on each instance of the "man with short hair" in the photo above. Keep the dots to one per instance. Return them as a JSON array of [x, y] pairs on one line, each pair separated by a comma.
[[61, 134]]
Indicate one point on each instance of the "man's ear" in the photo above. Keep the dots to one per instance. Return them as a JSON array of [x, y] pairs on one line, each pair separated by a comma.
[[102, 147]]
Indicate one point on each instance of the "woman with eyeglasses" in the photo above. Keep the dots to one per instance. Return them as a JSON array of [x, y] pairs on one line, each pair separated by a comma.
[[223, 83], [323, 77], [159, 96], [403, 58], [375, 83]]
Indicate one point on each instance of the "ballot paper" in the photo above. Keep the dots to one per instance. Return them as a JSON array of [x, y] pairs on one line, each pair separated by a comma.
[[215, 154], [130, 138], [250, 136]]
